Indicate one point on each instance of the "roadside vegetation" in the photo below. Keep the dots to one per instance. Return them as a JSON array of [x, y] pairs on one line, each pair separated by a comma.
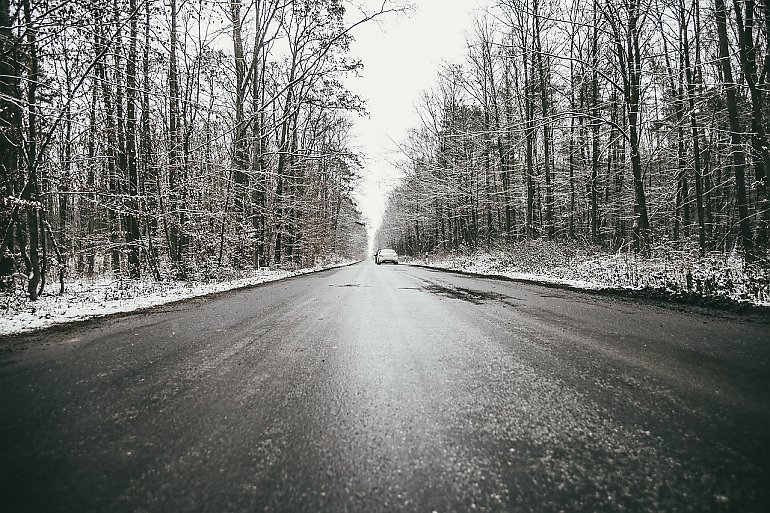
[[175, 140], [105, 295], [618, 144], [687, 276]]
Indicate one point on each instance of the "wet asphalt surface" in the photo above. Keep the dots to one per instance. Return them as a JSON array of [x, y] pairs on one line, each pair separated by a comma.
[[390, 388]]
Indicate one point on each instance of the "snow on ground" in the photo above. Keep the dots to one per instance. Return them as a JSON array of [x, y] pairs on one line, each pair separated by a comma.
[[86, 299], [671, 273], [683, 273]]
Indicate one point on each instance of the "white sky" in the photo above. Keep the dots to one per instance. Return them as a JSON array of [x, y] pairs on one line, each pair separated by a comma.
[[401, 56]]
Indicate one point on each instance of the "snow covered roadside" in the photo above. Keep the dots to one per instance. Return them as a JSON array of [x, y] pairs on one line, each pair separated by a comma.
[[88, 299], [669, 274]]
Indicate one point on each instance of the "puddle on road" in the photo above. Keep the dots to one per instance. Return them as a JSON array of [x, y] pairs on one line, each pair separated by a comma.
[[477, 297]]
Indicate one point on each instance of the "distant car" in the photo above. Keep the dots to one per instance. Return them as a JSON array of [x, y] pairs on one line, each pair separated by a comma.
[[386, 255]]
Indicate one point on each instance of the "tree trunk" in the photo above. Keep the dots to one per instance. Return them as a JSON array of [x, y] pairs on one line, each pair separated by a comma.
[[546, 111], [739, 159], [633, 94], [33, 191], [757, 84], [594, 184], [112, 142], [529, 124], [132, 220], [10, 132], [689, 77], [149, 179], [174, 230], [240, 155]]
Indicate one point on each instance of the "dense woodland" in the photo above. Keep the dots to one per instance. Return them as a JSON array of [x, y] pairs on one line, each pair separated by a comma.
[[174, 139], [633, 124]]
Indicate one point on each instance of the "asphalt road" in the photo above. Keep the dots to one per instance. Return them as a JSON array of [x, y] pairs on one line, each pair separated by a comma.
[[390, 388]]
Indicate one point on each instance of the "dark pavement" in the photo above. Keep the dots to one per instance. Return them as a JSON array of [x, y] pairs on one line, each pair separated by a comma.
[[390, 388]]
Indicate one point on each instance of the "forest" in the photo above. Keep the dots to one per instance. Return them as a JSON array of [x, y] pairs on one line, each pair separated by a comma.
[[625, 126], [174, 140]]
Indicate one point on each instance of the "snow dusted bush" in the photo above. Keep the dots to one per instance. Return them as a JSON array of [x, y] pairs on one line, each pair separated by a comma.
[[674, 272]]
